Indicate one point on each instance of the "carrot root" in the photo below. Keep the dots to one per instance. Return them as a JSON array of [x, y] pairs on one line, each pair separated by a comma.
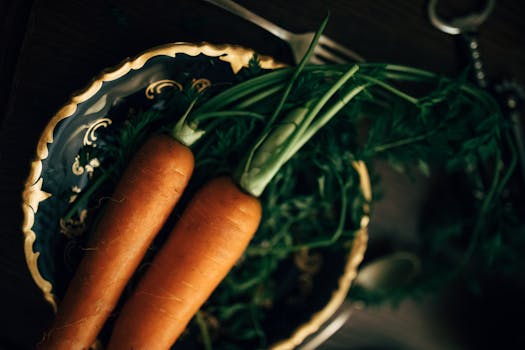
[[207, 241]]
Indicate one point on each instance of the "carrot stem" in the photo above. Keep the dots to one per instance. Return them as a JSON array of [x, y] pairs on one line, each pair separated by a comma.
[[253, 177]]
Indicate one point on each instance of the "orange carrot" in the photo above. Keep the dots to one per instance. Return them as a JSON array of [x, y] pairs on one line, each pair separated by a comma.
[[211, 235], [145, 196]]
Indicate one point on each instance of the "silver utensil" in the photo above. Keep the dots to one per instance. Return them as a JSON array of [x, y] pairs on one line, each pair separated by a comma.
[[512, 93], [380, 275], [467, 27], [326, 51]]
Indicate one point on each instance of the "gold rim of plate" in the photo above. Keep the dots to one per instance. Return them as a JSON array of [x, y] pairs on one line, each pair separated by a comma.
[[238, 57]]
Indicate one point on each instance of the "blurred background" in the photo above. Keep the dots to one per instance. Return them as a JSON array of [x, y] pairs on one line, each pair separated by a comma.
[[50, 49]]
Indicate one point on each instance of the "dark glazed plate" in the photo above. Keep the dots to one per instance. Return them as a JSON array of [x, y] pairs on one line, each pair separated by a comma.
[[57, 174]]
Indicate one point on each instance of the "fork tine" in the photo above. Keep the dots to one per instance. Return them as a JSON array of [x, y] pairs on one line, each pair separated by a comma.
[[326, 41], [315, 60], [326, 55]]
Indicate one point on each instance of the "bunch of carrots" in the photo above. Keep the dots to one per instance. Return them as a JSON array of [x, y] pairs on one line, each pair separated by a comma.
[[207, 240], [217, 224]]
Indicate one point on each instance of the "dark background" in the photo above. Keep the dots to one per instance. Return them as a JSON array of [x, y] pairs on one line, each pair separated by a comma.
[[50, 49]]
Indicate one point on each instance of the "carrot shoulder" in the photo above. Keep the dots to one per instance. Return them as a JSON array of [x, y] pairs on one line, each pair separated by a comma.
[[206, 242], [145, 196]]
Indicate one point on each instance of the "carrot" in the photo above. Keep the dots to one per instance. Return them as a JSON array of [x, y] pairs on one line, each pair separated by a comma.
[[211, 235], [141, 203]]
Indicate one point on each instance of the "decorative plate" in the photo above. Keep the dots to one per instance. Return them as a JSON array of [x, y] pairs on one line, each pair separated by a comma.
[[57, 174]]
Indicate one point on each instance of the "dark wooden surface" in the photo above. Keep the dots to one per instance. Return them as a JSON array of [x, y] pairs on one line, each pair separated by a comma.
[[49, 49]]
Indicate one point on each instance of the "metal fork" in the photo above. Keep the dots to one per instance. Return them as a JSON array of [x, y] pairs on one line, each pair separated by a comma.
[[326, 51]]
